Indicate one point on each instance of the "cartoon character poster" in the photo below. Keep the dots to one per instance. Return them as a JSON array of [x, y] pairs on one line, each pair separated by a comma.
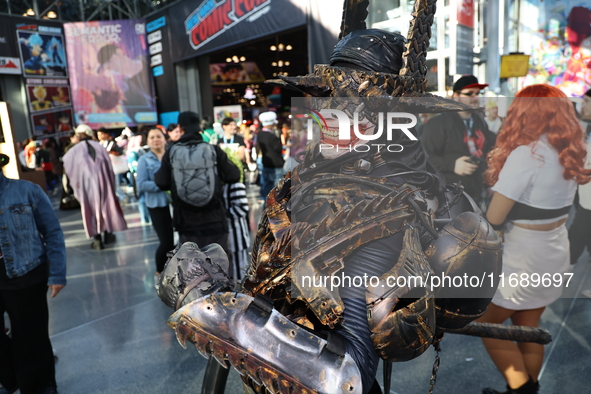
[[559, 41], [42, 97], [52, 122], [42, 54], [110, 74]]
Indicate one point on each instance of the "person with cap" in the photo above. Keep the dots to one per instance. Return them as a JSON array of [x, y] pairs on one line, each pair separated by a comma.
[[90, 173], [32, 259], [200, 224], [458, 142], [270, 148]]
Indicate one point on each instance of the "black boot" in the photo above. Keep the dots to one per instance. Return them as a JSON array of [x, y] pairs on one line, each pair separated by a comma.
[[97, 244], [530, 387], [109, 237]]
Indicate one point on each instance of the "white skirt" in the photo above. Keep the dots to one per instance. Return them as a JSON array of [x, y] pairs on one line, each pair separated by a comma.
[[534, 264]]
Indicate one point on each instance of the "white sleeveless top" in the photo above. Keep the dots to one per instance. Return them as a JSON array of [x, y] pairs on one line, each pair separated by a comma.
[[533, 175]]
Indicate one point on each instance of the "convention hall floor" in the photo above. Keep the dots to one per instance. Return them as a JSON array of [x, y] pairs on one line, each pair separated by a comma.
[[109, 332]]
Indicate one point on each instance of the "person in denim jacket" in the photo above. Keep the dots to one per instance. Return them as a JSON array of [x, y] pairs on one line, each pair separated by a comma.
[[156, 199], [32, 258]]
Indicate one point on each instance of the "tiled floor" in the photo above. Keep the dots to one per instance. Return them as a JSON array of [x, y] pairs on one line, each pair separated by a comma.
[[109, 330]]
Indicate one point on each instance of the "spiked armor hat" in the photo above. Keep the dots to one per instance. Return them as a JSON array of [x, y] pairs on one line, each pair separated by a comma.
[[377, 63], [370, 50]]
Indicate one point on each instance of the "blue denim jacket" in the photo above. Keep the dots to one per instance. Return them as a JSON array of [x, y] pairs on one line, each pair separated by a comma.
[[30, 232], [147, 166]]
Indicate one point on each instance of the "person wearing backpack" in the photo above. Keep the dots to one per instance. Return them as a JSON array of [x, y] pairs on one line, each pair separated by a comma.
[[194, 171]]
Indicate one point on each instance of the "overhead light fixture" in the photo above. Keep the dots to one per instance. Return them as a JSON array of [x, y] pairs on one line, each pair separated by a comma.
[[280, 63], [242, 58], [288, 48], [30, 12], [252, 102], [235, 59], [228, 60], [51, 15], [274, 74], [280, 47], [274, 64], [273, 48], [287, 63]]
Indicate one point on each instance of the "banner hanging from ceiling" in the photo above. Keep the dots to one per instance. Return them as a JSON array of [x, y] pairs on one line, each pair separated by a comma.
[[213, 24], [110, 74]]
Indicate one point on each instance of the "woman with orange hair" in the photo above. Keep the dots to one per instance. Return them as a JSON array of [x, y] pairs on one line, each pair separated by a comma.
[[534, 169]]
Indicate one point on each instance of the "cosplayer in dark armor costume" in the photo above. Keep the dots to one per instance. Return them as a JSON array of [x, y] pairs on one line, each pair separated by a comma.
[[382, 214]]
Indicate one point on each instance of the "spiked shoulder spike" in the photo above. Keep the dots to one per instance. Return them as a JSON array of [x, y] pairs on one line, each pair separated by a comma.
[[354, 15], [414, 59]]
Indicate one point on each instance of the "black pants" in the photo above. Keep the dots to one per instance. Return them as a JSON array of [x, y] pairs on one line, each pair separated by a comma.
[[579, 234], [162, 223], [373, 260], [26, 360]]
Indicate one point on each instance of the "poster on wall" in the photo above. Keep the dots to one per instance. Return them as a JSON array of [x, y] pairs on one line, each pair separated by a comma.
[[42, 51], [9, 61], [52, 123], [10, 65], [42, 97], [559, 41], [110, 74], [228, 111], [230, 73]]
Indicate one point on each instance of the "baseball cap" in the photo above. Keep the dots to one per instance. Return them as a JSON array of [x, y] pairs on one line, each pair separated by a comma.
[[268, 118], [467, 82], [84, 129], [189, 121]]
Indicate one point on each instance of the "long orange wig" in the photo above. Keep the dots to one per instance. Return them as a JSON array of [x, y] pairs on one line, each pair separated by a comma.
[[532, 114]]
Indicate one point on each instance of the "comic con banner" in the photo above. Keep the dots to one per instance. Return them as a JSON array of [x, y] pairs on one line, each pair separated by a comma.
[[212, 24], [110, 74]]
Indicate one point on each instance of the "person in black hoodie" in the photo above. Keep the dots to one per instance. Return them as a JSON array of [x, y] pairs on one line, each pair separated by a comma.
[[458, 142], [202, 225]]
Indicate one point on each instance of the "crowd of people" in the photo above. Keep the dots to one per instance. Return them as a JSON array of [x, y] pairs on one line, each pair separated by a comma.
[[523, 170]]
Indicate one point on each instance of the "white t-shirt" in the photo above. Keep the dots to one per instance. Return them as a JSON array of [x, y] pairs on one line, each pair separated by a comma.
[[533, 175]]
